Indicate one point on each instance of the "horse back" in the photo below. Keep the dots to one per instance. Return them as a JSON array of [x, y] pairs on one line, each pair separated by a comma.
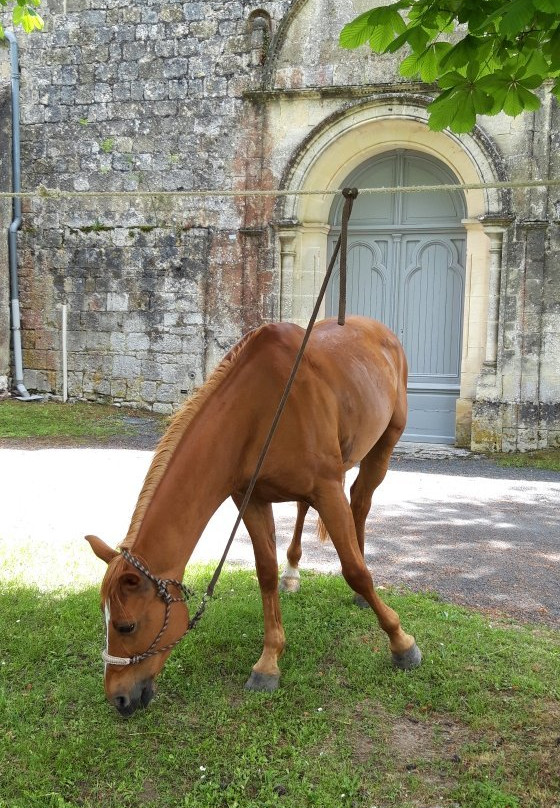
[[350, 387]]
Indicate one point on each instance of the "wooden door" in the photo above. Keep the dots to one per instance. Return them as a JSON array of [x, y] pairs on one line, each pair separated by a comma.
[[406, 267]]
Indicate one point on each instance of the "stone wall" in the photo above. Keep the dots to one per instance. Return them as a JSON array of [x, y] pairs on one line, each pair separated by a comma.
[[163, 96], [135, 98]]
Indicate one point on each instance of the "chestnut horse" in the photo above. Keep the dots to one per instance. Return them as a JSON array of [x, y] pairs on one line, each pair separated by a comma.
[[347, 404]]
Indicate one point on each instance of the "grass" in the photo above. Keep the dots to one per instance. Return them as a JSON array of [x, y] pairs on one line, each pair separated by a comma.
[[541, 459], [476, 726], [80, 421]]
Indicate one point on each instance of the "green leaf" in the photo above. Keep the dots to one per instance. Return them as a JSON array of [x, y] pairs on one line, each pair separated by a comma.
[[387, 23], [410, 66], [519, 99], [463, 52], [451, 79], [357, 32], [427, 63], [415, 36], [509, 94], [378, 27], [548, 6], [458, 106], [473, 69], [537, 65], [17, 15], [454, 110], [552, 47], [517, 17], [531, 82]]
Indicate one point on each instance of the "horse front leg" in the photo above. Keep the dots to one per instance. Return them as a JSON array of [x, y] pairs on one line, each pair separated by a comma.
[[337, 515], [289, 580], [259, 521]]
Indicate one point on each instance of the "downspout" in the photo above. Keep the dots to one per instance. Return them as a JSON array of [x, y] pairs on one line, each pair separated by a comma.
[[16, 222]]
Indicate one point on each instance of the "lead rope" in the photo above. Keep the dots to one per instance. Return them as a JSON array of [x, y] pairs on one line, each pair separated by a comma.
[[350, 195]]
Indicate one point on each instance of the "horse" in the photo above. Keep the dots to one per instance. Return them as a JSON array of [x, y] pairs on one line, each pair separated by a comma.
[[347, 406]]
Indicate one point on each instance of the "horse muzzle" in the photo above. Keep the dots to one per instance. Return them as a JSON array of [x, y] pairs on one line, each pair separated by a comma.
[[140, 695]]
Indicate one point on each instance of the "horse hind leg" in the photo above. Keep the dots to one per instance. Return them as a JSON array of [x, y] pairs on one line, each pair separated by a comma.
[[290, 580], [373, 469], [339, 520]]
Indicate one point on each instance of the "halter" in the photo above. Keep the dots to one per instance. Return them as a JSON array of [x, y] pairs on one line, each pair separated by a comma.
[[163, 592]]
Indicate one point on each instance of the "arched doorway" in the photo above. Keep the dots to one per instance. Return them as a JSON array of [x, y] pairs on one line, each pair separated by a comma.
[[406, 267]]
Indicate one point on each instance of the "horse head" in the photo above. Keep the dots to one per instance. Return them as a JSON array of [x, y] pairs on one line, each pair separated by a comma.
[[141, 626]]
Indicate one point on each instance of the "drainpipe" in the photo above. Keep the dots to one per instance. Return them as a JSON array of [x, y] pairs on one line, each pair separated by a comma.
[[16, 223]]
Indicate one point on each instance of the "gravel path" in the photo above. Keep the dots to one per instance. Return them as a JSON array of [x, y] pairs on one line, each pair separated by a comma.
[[477, 534]]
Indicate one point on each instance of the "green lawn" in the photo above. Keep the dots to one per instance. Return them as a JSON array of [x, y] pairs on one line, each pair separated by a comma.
[[541, 459], [476, 726], [80, 422]]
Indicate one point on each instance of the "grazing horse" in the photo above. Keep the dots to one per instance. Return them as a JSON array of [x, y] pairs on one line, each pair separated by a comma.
[[347, 406]]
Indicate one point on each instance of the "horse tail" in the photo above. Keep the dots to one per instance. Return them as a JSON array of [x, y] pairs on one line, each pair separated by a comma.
[[322, 531]]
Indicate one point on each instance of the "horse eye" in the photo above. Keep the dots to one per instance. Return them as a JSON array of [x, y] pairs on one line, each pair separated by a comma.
[[126, 628]]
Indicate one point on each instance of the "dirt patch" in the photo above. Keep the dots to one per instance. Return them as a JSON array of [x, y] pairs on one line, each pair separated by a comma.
[[408, 739]]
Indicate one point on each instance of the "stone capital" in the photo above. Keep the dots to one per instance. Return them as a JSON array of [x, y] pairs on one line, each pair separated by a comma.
[[495, 223], [282, 225]]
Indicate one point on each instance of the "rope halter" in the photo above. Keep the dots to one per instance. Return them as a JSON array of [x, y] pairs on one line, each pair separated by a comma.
[[162, 589]]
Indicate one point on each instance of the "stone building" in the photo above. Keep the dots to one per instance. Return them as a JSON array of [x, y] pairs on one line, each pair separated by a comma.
[[162, 96]]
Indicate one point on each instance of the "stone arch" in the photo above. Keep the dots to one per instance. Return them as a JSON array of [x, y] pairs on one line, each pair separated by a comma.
[[360, 131], [336, 148]]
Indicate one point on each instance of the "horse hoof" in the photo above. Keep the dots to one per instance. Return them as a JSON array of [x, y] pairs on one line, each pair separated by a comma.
[[263, 682], [409, 659], [289, 584], [361, 602]]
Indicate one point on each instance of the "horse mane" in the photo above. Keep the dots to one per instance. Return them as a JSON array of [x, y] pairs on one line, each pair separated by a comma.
[[176, 430]]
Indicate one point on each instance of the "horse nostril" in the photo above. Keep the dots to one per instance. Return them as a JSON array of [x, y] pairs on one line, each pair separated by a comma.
[[121, 702], [123, 705]]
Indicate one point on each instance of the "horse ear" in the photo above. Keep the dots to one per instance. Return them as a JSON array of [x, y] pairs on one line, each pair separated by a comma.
[[101, 550]]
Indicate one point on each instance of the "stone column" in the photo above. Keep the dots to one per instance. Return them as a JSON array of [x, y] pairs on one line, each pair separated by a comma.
[[488, 409], [531, 425], [494, 228], [314, 260], [474, 327], [286, 231]]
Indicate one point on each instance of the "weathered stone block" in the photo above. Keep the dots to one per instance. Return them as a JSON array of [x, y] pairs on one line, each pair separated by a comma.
[[463, 423], [117, 301], [167, 393], [137, 342], [486, 426], [162, 409], [126, 367]]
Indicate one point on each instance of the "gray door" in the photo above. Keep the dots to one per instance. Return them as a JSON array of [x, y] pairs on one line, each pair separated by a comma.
[[406, 267]]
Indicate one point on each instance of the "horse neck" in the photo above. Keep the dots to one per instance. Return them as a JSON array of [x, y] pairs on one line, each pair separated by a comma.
[[200, 475]]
